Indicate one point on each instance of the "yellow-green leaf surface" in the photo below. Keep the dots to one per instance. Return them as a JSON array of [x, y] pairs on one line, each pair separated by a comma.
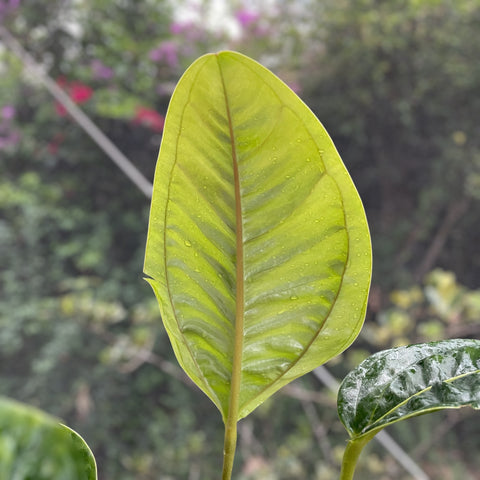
[[258, 248], [34, 446]]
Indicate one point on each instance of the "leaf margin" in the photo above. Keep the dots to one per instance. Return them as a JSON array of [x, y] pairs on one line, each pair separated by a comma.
[[35, 422]]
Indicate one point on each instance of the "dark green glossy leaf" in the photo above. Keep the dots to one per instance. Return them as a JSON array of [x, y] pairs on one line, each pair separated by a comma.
[[34, 446], [258, 247], [404, 382]]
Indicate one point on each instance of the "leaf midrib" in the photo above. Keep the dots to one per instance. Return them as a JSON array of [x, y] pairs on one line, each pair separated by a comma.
[[239, 320], [236, 377], [378, 422]]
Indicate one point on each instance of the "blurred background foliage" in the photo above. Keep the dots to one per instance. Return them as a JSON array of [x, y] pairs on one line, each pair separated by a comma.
[[397, 86]]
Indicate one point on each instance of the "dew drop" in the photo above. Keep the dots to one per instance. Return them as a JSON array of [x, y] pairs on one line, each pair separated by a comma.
[[293, 297], [188, 243]]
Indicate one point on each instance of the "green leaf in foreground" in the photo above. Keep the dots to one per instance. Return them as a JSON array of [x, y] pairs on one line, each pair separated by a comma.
[[404, 382], [258, 247], [34, 446]]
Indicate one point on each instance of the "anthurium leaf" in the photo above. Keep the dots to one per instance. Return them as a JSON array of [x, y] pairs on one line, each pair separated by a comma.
[[34, 445], [258, 248], [404, 382]]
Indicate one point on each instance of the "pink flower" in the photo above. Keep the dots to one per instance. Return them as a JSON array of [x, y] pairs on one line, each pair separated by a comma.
[[177, 28], [60, 109], [166, 52], [78, 92], [188, 30], [8, 7], [8, 112], [149, 118], [246, 17], [100, 70]]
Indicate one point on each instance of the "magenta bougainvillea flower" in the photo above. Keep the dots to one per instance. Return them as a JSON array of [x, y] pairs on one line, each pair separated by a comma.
[[166, 52], [8, 6], [246, 17], [100, 71], [177, 28], [8, 112], [77, 91], [80, 93], [149, 118]]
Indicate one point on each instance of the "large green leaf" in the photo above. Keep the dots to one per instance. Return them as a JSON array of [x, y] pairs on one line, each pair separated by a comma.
[[34, 446], [404, 382], [258, 247]]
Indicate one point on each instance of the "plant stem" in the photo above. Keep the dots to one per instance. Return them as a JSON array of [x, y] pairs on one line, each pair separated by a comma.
[[350, 456], [229, 445]]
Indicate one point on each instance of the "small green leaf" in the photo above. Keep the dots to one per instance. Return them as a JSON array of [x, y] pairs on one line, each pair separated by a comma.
[[34, 445], [258, 247], [404, 382]]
